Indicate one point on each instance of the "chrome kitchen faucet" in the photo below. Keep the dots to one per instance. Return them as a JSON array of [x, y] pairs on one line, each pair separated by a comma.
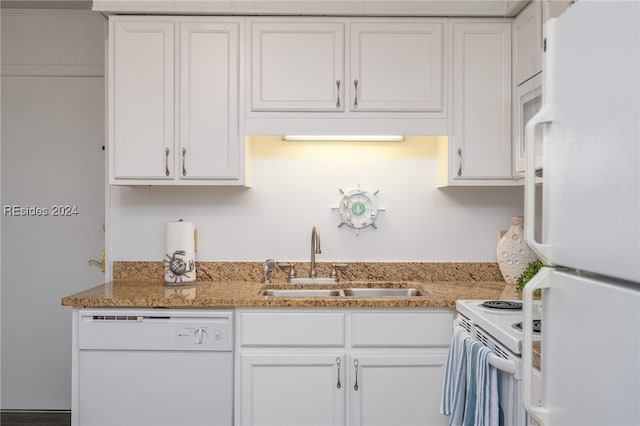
[[315, 249]]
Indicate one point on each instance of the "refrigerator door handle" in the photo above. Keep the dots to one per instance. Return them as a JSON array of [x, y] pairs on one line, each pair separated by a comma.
[[541, 280], [544, 115], [541, 250]]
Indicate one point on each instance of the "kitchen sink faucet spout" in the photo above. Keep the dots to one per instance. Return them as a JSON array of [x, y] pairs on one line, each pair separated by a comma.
[[315, 249]]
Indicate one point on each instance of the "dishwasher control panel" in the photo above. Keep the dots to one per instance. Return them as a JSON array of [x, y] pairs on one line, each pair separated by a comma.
[[155, 329], [202, 335]]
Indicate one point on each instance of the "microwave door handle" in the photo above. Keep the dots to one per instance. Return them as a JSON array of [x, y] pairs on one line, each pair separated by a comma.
[[541, 280]]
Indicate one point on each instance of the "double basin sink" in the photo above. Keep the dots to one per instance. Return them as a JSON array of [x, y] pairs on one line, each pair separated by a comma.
[[369, 291]]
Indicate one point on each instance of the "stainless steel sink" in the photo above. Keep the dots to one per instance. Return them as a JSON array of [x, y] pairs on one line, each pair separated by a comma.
[[300, 293], [382, 292]]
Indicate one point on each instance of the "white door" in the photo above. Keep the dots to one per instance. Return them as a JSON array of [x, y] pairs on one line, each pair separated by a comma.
[[142, 72], [52, 139], [209, 94], [396, 66], [577, 309], [297, 66], [292, 390], [591, 156], [396, 389]]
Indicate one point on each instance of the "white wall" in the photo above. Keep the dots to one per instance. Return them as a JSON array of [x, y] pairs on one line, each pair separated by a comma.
[[293, 187]]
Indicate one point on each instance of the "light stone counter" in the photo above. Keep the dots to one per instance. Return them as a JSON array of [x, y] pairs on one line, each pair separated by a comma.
[[237, 284]]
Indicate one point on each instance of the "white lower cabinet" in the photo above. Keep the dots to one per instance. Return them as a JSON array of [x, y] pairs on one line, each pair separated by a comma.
[[289, 388], [397, 388], [366, 372]]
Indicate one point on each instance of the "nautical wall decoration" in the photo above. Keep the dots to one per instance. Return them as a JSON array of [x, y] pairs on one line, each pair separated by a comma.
[[358, 209], [180, 247]]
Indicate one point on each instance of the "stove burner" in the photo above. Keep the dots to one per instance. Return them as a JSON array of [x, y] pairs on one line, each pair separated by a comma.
[[537, 326], [502, 304]]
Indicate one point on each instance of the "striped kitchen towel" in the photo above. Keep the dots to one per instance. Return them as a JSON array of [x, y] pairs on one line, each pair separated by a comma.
[[455, 377]]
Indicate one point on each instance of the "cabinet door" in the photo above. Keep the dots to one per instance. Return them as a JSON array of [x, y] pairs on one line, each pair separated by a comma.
[[288, 389], [397, 389], [297, 66], [481, 122], [141, 87], [527, 43], [396, 66], [208, 115]]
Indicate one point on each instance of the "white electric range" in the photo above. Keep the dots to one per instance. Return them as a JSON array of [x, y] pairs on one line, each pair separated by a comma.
[[500, 320], [497, 324]]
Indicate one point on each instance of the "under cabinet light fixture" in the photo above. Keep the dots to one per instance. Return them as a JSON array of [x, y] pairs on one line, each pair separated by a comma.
[[364, 138]]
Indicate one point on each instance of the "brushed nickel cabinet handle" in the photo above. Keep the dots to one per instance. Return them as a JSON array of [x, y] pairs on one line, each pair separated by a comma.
[[338, 361], [355, 99], [460, 166], [355, 364], [166, 161], [338, 90], [184, 156]]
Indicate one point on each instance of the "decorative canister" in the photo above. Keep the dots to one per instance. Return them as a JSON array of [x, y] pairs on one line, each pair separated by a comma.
[[513, 253]]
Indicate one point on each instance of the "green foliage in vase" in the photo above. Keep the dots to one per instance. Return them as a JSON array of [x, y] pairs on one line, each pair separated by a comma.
[[532, 268]]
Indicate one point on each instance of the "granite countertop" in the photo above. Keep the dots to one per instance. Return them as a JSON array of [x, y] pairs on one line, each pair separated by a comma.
[[237, 284], [234, 294]]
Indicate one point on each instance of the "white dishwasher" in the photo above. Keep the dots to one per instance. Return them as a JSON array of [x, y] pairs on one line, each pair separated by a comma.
[[155, 367]]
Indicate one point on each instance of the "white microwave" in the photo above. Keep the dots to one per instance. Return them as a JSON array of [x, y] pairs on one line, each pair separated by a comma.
[[528, 103]]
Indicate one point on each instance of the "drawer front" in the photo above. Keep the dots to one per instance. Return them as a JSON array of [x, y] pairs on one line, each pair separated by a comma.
[[381, 329], [292, 329]]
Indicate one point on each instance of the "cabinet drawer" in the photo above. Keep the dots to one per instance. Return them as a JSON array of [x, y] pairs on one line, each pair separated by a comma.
[[292, 329], [381, 329]]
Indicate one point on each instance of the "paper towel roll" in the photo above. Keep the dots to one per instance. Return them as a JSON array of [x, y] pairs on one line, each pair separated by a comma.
[[180, 261]]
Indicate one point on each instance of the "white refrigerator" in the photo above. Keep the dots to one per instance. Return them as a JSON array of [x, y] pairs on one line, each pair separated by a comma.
[[590, 208]]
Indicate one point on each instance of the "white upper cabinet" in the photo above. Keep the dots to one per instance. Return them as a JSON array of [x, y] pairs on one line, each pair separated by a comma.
[[174, 96], [297, 66], [396, 66], [141, 99], [393, 65], [209, 112], [479, 148], [527, 43]]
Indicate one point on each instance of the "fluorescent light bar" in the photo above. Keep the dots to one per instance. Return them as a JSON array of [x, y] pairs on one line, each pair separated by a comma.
[[369, 138]]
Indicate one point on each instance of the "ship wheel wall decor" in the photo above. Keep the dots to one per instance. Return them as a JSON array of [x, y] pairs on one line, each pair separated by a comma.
[[358, 209]]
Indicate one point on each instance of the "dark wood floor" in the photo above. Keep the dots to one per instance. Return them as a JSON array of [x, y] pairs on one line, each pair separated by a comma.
[[35, 418]]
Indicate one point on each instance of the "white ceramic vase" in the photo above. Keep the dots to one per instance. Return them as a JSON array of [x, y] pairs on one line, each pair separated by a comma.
[[513, 253]]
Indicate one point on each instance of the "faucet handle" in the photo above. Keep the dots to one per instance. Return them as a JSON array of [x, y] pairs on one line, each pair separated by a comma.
[[335, 267], [291, 267]]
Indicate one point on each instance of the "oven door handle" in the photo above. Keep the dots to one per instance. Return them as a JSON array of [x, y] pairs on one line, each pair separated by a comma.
[[542, 280], [506, 365]]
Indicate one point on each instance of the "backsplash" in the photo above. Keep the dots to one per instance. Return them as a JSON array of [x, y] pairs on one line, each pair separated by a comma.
[[355, 271]]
